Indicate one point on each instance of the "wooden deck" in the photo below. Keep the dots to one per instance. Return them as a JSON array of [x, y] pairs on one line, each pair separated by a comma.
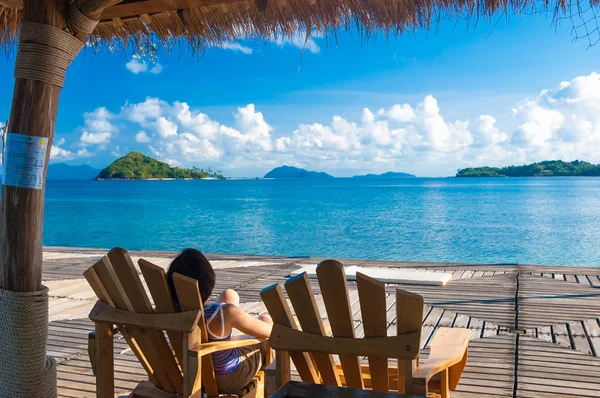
[[536, 329]]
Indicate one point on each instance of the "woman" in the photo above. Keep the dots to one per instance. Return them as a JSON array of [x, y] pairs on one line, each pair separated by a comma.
[[234, 368]]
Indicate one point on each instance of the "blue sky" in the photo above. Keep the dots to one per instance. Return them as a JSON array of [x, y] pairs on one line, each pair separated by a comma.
[[466, 96]]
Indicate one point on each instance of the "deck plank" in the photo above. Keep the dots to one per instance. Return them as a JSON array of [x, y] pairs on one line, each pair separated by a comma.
[[566, 372]]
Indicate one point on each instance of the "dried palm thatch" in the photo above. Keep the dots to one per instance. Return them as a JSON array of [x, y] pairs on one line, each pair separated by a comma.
[[205, 23]]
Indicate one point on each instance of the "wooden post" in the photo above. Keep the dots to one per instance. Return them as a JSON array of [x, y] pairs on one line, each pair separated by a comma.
[[192, 366], [104, 361], [33, 112]]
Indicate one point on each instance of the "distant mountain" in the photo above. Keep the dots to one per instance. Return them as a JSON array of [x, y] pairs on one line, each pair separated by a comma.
[[137, 166], [63, 171], [388, 175], [547, 168], [294, 172]]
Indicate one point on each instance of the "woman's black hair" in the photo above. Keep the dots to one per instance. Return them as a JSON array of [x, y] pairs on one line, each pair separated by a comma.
[[193, 264]]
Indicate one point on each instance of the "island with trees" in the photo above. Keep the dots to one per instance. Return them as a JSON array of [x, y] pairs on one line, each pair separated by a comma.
[[547, 168], [137, 166], [295, 172], [287, 172], [389, 175]]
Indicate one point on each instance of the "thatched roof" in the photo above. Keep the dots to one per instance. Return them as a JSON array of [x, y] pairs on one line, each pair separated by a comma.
[[211, 22]]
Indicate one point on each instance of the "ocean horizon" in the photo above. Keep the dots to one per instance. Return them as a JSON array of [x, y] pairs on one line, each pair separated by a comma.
[[553, 221]]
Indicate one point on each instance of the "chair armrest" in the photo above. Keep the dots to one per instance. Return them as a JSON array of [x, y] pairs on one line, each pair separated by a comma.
[[184, 322], [235, 342], [448, 348]]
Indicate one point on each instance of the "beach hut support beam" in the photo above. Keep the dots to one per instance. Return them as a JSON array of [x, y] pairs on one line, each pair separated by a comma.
[[39, 76], [33, 112]]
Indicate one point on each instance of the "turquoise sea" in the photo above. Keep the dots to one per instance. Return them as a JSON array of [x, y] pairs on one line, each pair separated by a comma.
[[520, 220]]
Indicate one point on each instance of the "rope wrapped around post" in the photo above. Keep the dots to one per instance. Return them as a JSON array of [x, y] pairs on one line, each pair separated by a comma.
[[78, 21], [25, 371], [45, 52]]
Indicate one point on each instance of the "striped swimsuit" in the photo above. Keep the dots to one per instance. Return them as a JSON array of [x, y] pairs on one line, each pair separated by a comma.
[[225, 362]]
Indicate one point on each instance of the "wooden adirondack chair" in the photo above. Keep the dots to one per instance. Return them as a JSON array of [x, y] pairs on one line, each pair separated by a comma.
[[310, 349], [180, 365]]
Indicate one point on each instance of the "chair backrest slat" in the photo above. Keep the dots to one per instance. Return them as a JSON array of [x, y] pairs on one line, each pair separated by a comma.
[[130, 280], [409, 318], [98, 287], [409, 312], [303, 300], [159, 289], [128, 277], [372, 297], [110, 283], [188, 295], [139, 340], [94, 281], [332, 281], [280, 311]]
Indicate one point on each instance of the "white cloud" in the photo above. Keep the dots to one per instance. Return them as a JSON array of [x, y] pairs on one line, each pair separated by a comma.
[[58, 153], [95, 138], [142, 112], [436, 132], [136, 66], [236, 47], [165, 128], [156, 69], [142, 137], [377, 139], [486, 133], [98, 128], [299, 40], [401, 113], [188, 136], [84, 153], [255, 131], [99, 120], [562, 122]]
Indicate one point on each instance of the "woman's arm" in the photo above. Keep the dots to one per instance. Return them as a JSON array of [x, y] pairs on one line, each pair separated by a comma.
[[239, 319]]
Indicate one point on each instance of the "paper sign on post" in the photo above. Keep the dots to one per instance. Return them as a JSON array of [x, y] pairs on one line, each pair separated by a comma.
[[24, 159]]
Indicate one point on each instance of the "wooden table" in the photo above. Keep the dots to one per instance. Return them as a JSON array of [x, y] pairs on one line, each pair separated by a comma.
[[296, 389]]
